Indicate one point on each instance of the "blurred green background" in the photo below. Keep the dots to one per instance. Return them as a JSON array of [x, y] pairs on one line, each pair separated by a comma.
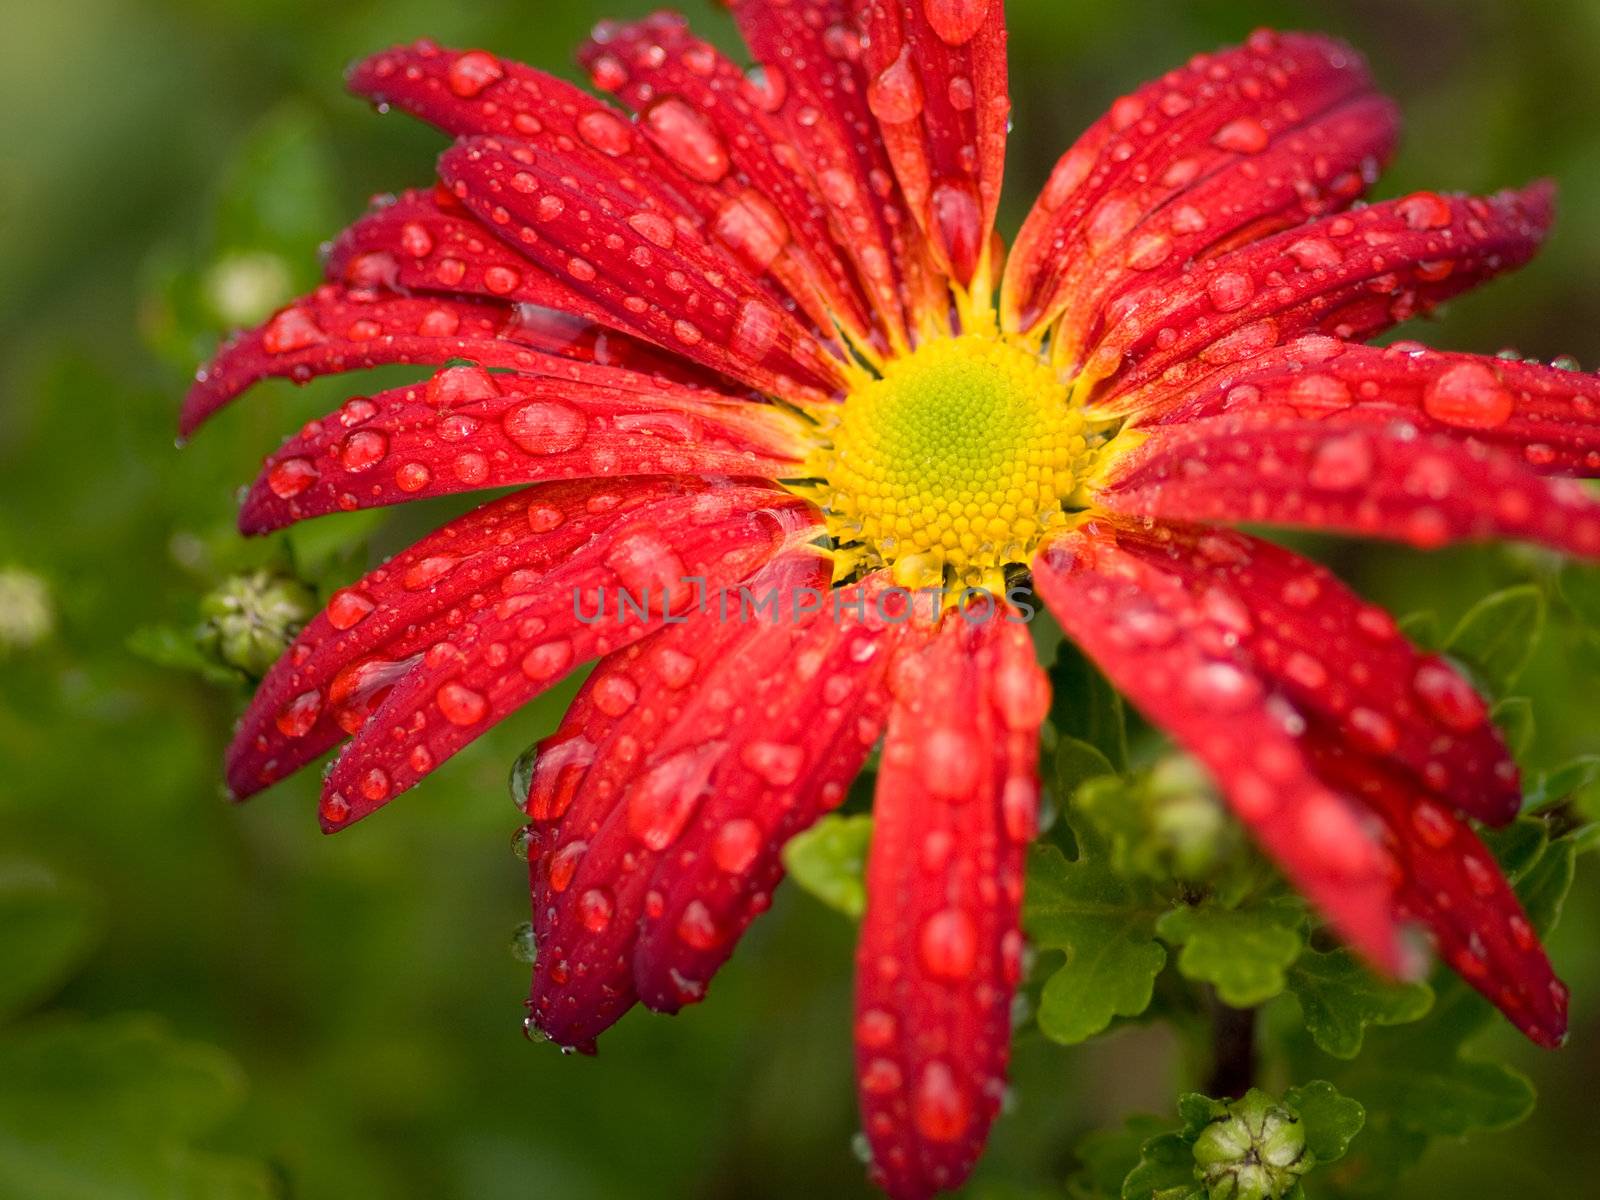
[[200, 1001]]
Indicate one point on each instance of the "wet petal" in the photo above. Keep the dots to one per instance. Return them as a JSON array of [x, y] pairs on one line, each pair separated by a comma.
[[466, 608], [1546, 416], [1156, 640], [812, 78], [706, 118], [1352, 276], [336, 329], [1452, 885], [936, 82], [941, 948], [468, 428], [642, 263], [684, 765], [1420, 488], [1231, 147]]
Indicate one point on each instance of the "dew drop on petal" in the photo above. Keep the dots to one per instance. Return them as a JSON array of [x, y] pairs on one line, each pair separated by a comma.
[[895, 96], [1470, 396], [545, 427], [956, 22], [460, 704], [291, 477], [472, 72], [939, 1109], [688, 139], [948, 945], [736, 845]]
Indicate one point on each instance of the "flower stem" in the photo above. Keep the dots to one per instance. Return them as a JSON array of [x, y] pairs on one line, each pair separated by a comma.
[[1233, 1050]]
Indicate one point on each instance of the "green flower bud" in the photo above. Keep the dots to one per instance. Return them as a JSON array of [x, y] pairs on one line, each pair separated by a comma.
[[1191, 830], [1255, 1150], [27, 614], [250, 619]]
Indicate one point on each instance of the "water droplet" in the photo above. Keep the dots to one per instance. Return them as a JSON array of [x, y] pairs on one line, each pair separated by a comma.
[[1222, 687], [1424, 210], [1342, 463], [736, 845], [939, 1109], [615, 694], [460, 704], [1449, 697], [428, 571], [472, 72], [1433, 824], [688, 139], [594, 910], [524, 948], [776, 762], [415, 239], [291, 477], [956, 21], [948, 945], [756, 330], [300, 715], [950, 762], [1470, 396], [895, 96], [753, 228], [347, 607], [547, 660], [1246, 135], [696, 928], [605, 131], [1230, 290], [292, 329], [654, 228], [545, 427], [661, 803]]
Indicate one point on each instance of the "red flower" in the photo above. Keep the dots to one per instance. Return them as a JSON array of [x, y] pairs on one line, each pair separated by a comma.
[[752, 338]]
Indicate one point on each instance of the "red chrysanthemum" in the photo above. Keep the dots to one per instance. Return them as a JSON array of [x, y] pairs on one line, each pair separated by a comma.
[[764, 335]]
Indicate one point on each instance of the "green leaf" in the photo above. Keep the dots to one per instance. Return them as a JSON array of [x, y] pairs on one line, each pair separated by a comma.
[[47, 927], [110, 1110], [1110, 1155], [1579, 584], [829, 860], [1331, 1121], [1339, 997], [1165, 1171], [1106, 927], [1243, 953], [1421, 628], [1084, 706], [1560, 784], [178, 650], [1497, 636], [1514, 717], [1076, 763]]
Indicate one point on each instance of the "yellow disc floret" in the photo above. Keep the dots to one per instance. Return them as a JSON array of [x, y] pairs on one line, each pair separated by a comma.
[[951, 465]]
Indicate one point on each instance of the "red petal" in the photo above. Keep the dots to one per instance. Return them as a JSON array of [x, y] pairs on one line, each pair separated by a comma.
[[514, 561], [714, 125], [468, 429], [642, 263], [1340, 662], [1454, 887], [813, 81], [751, 732], [937, 86], [1179, 663], [1232, 146], [941, 952], [473, 94], [412, 244], [483, 664], [1427, 490], [1548, 417], [1351, 275], [335, 330]]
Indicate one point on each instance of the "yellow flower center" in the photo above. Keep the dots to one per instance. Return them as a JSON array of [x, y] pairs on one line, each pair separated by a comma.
[[950, 465]]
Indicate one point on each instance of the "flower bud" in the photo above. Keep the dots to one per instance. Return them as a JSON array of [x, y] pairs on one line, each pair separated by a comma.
[[250, 619], [1256, 1150], [27, 616]]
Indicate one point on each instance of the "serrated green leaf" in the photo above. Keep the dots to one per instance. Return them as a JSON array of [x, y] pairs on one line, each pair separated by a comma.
[[110, 1110], [1339, 998], [1243, 953], [1076, 763], [829, 860], [1084, 706], [47, 926], [1331, 1121], [1514, 718], [1497, 636], [1109, 1155], [1165, 1171], [1106, 927]]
